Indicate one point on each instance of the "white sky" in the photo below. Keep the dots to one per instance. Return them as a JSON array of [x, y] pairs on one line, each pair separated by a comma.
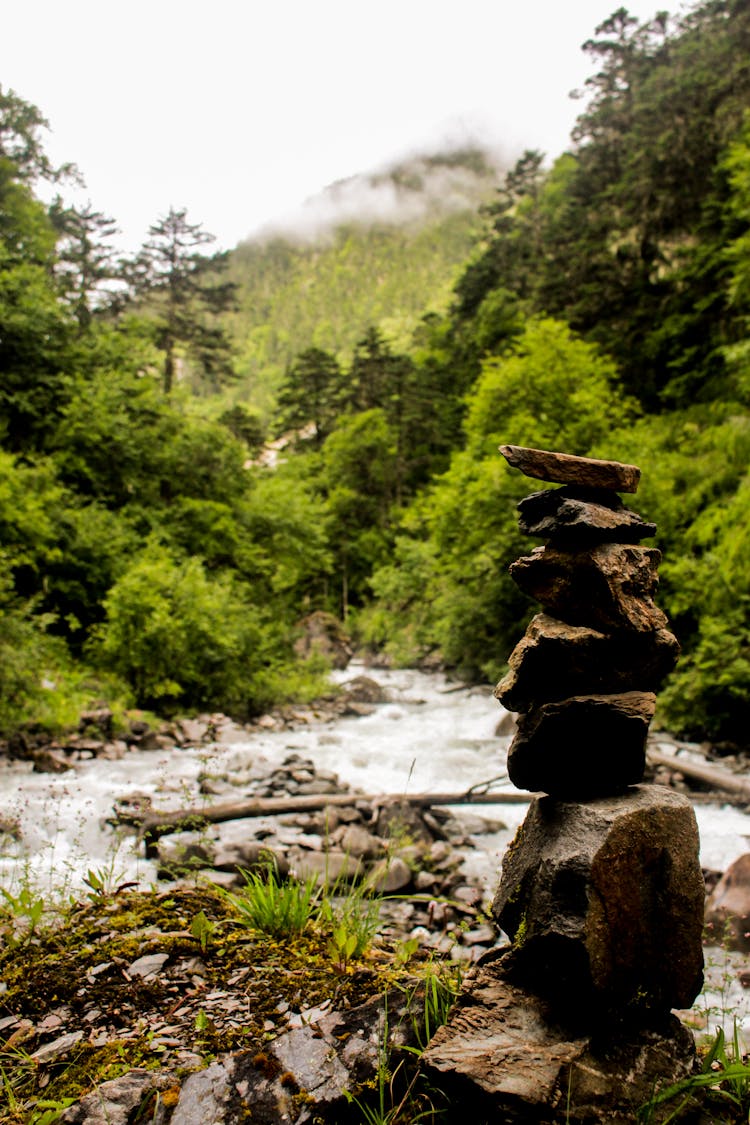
[[241, 109]]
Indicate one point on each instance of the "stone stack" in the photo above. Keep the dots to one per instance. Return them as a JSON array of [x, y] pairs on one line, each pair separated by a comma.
[[601, 890], [584, 676]]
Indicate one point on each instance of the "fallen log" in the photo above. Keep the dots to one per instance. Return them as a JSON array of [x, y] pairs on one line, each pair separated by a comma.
[[152, 824], [714, 776]]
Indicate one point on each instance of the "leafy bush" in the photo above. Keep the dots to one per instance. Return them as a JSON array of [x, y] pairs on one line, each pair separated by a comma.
[[180, 637]]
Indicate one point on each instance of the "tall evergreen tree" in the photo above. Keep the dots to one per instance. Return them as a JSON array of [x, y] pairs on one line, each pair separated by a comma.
[[312, 392], [86, 259], [184, 290]]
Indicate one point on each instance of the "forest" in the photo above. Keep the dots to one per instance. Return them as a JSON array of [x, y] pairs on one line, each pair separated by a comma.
[[598, 305]]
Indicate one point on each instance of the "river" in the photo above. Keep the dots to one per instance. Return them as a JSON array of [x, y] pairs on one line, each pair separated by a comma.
[[429, 736]]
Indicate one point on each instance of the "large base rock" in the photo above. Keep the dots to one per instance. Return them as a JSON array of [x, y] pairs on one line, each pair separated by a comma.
[[604, 902], [506, 1056]]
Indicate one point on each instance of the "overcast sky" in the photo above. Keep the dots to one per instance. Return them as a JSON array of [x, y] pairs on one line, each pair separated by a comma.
[[241, 109]]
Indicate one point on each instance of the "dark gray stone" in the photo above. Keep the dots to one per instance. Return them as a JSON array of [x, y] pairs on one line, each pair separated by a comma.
[[588, 745], [302, 1073], [604, 902], [579, 515], [117, 1102]]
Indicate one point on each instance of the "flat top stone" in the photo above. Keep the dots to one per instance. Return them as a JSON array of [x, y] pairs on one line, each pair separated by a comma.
[[564, 468]]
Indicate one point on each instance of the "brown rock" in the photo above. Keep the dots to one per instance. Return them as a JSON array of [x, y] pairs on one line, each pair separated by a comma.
[[354, 839], [576, 514], [329, 868], [555, 660], [562, 468], [363, 689], [608, 587], [728, 907], [390, 875], [504, 1055], [588, 745], [604, 902], [323, 633]]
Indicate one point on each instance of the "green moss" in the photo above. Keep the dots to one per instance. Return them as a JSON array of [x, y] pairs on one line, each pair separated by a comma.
[[80, 964]]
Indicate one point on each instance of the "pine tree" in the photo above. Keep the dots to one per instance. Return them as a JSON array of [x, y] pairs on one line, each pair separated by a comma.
[[183, 290]]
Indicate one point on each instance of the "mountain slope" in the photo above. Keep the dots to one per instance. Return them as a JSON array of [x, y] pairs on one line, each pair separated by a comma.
[[376, 249]]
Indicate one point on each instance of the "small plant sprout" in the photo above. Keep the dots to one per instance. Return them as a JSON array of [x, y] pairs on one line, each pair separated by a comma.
[[725, 1075], [273, 907], [103, 884], [26, 910], [202, 929]]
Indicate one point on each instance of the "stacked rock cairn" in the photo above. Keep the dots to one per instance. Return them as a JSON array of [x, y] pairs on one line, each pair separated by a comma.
[[601, 890]]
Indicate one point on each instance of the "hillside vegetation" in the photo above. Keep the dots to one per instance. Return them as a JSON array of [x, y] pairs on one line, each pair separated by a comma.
[[602, 308], [378, 249]]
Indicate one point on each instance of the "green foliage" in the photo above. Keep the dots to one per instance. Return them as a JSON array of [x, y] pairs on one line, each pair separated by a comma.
[[322, 292], [724, 1074], [181, 637], [311, 394], [441, 984], [625, 237], [697, 489], [281, 908], [184, 292], [448, 585], [26, 913]]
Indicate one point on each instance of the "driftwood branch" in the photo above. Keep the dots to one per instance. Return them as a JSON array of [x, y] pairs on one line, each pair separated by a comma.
[[151, 824], [714, 776]]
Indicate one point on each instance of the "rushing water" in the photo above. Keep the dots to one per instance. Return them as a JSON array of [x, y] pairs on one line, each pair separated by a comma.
[[428, 737]]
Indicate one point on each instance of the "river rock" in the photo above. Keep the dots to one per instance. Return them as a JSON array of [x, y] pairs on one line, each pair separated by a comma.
[[728, 906], [327, 867], [505, 1055], [400, 821], [608, 587], [301, 1075], [563, 468], [322, 633], [604, 902], [363, 689], [555, 660], [354, 839], [119, 1101], [250, 855], [575, 514], [390, 875], [588, 745]]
